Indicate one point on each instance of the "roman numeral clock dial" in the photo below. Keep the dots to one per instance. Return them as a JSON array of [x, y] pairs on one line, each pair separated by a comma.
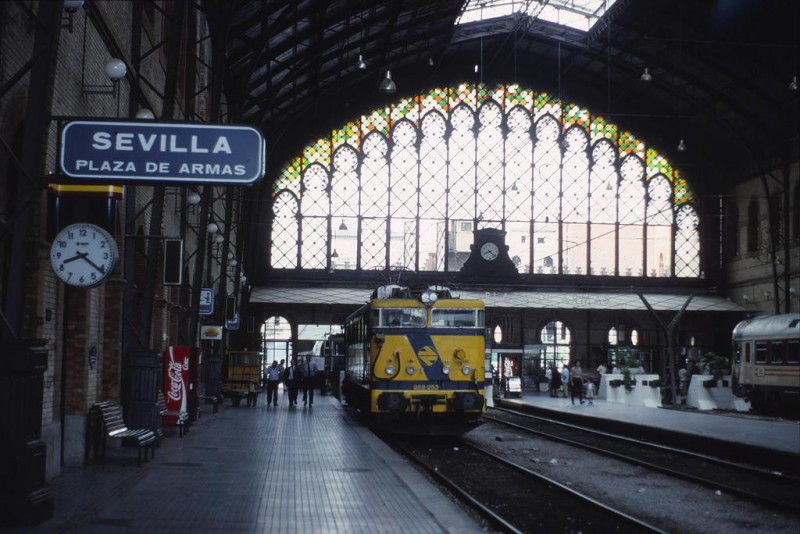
[[83, 255]]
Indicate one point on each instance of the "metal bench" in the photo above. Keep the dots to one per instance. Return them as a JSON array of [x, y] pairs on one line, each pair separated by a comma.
[[109, 415]]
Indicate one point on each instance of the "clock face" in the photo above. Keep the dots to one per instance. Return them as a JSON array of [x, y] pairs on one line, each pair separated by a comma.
[[489, 251], [83, 255]]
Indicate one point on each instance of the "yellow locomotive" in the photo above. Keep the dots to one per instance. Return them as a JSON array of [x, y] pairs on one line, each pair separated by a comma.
[[414, 360]]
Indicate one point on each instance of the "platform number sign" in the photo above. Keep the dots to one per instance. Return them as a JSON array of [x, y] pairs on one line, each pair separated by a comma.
[[206, 301]]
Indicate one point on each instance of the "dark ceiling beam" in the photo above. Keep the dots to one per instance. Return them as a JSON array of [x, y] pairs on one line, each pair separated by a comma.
[[303, 65]]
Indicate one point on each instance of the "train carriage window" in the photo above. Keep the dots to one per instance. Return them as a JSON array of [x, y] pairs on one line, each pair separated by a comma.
[[761, 352], [776, 352], [747, 353], [793, 351]]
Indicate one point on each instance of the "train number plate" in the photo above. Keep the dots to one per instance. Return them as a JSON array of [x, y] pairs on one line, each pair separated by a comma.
[[426, 387]]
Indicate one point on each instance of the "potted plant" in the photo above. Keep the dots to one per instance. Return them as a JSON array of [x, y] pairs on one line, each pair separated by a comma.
[[627, 379], [716, 366]]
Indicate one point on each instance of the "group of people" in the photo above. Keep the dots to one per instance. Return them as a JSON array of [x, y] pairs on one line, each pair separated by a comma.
[[295, 376], [572, 381]]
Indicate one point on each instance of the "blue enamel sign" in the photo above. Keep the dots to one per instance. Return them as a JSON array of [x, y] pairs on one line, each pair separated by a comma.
[[162, 152], [206, 301]]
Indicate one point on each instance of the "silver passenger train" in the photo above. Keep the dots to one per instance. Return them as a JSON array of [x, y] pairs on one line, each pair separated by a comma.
[[766, 366]]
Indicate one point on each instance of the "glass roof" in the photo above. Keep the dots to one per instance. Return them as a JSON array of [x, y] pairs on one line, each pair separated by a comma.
[[574, 300], [577, 14]]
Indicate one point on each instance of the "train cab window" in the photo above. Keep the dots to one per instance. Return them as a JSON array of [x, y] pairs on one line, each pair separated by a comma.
[[761, 352], [793, 351], [457, 318], [399, 317], [776, 352]]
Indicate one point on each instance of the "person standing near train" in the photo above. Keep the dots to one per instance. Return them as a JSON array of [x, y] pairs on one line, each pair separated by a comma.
[[290, 378], [555, 381], [273, 379], [309, 371], [576, 382]]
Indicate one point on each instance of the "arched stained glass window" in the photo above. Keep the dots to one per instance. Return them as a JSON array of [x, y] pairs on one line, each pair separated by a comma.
[[284, 231], [405, 186]]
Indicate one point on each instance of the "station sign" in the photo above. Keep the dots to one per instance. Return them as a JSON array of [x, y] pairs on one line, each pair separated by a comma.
[[163, 152], [206, 301]]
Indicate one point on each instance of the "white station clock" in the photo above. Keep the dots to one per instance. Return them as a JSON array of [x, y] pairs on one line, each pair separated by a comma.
[[83, 255], [490, 251]]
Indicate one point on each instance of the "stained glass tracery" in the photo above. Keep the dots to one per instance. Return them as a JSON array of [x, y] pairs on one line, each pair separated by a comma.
[[405, 186]]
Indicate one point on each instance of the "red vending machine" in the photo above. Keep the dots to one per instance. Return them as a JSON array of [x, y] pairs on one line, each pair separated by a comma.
[[180, 377]]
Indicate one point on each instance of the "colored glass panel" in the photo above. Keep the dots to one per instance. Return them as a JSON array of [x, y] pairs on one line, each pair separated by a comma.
[[498, 178]]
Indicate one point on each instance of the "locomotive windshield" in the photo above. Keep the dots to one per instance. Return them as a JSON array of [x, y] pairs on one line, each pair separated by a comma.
[[457, 318], [398, 317]]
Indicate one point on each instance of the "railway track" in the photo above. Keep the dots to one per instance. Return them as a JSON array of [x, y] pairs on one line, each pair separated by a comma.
[[763, 486], [504, 492]]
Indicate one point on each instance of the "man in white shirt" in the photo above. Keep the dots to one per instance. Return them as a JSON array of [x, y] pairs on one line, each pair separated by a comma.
[[273, 379]]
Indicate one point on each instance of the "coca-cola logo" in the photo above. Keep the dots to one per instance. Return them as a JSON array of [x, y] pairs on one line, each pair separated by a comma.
[[175, 374]]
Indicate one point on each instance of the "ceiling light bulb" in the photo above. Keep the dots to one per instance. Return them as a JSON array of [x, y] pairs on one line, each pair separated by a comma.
[[681, 146], [218, 239], [145, 113], [646, 76], [793, 84], [212, 228], [361, 64], [387, 85]]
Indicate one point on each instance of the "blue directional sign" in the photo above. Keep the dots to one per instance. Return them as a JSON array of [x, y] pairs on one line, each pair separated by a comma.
[[111, 152], [206, 301]]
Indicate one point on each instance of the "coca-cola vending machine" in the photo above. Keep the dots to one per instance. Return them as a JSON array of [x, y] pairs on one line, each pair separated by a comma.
[[180, 382]]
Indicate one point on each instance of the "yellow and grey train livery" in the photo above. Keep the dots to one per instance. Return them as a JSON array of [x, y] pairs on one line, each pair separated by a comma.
[[415, 360]]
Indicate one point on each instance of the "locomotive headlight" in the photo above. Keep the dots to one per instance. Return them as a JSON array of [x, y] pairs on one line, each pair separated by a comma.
[[411, 370], [466, 369], [390, 370], [428, 297], [446, 370]]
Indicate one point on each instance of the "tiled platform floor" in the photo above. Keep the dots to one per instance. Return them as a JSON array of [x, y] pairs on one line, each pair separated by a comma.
[[257, 469]]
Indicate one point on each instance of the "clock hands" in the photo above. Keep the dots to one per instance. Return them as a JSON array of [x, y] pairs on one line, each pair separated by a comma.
[[85, 257]]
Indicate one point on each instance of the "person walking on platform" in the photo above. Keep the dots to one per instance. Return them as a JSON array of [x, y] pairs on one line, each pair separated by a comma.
[[309, 372], [565, 379], [555, 381], [576, 382], [290, 378], [273, 379]]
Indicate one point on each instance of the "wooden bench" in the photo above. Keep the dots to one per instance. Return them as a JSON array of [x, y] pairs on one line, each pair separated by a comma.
[[181, 418], [105, 419]]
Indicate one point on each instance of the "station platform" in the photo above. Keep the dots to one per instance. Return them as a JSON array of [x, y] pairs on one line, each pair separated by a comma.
[[742, 436], [257, 469]]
